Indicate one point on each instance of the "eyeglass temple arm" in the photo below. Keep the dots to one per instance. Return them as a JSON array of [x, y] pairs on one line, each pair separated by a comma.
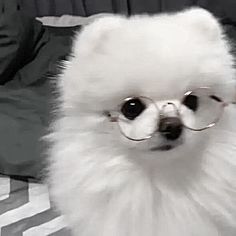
[[110, 117]]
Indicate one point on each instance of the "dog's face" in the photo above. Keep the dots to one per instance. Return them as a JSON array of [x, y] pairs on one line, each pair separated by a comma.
[[128, 79]]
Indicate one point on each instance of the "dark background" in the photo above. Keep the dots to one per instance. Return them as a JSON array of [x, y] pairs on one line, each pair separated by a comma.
[[30, 56], [222, 8]]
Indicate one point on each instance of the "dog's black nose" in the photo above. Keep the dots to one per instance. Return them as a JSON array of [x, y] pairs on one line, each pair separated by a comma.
[[170, 127]]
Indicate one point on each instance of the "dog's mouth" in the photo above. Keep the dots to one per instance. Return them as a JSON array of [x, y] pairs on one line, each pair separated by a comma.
[[166, 147]]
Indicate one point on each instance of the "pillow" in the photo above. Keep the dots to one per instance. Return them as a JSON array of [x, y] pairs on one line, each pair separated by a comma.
[[68, 20], [62, 31], [30, 54], [18, 35]]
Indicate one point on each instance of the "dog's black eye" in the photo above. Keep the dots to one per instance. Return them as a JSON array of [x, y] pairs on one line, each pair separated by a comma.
[[191, 101], [132, 108]]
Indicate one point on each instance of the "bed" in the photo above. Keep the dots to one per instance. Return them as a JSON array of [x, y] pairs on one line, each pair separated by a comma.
[[26, 209], [35, 38]]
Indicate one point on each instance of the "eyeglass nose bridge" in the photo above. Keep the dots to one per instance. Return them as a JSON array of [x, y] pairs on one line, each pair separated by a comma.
[[165, 106], [178, 115]]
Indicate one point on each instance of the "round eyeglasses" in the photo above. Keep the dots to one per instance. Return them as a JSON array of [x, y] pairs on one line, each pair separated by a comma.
[[198, 110]]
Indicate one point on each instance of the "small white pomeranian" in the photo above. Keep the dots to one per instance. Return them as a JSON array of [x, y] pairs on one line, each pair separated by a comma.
[[144, 143]]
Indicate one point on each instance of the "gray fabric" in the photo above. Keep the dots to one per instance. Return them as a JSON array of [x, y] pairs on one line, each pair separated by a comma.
[[35, 211], [140, 6], [53, 7], [27, 223], [170, 5], [30, 54], [224, 8], [22, 117], [18, 196]]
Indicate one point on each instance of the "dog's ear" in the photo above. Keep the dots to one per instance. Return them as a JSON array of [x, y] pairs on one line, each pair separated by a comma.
[[203, 21], [93, 37]]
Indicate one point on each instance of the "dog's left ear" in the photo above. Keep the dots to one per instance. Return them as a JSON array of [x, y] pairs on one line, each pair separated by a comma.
[[93, 36], [203, 21]]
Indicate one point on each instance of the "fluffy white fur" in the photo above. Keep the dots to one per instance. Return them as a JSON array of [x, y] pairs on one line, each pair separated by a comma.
[[107, 185]]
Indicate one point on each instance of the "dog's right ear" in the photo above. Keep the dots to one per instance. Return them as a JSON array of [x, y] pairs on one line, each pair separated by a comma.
[[202, 21], [94, 36]]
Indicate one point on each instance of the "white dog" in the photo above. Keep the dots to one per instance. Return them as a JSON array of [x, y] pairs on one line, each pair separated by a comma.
[[144, 143]]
